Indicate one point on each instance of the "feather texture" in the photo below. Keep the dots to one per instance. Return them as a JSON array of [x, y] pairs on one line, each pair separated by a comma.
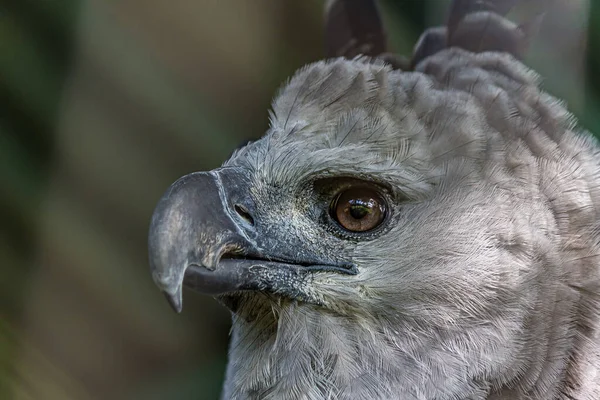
[[476, 290], [484, 284]]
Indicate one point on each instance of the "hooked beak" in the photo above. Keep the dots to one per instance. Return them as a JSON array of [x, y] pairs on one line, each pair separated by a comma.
[[189, 232], [202, 235]]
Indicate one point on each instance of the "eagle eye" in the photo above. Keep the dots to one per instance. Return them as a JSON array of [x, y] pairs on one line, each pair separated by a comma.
[[358, 209]]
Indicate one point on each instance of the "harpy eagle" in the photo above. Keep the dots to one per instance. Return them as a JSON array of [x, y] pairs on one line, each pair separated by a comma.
[[404, 230]]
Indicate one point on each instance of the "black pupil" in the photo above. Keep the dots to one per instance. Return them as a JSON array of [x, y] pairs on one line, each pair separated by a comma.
[[360, 208]]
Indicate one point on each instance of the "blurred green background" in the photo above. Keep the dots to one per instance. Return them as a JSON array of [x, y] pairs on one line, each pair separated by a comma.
[[102, 105]]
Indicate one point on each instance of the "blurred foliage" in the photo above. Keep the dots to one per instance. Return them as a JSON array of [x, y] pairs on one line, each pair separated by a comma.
[[102, 106]]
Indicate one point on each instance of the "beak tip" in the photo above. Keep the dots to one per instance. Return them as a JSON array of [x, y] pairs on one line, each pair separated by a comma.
[[175, 301]]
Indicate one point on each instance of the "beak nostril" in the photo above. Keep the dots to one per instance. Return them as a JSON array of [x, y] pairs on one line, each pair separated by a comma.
[[244, 213]]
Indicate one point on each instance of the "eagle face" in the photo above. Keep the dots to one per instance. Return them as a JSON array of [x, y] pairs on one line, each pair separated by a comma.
[[352, 177], [425, 234]]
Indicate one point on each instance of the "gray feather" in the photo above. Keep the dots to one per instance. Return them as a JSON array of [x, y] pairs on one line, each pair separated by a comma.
[[486, 284]]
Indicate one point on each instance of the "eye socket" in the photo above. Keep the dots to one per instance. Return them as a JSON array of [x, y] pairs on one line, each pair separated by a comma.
[[358, 209]]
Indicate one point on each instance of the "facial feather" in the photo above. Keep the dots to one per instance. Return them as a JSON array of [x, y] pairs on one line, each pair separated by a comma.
[[493, 191]]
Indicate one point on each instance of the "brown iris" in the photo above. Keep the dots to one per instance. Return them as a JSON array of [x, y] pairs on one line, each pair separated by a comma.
[[358, 209]]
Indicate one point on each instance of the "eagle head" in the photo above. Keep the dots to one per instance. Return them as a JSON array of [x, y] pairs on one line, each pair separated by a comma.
[[418, 234]]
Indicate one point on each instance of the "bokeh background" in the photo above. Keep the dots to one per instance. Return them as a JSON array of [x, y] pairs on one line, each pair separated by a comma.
[[102, 105]]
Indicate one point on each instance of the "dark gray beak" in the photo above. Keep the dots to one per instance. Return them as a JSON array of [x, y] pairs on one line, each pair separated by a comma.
[[190, 230]]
